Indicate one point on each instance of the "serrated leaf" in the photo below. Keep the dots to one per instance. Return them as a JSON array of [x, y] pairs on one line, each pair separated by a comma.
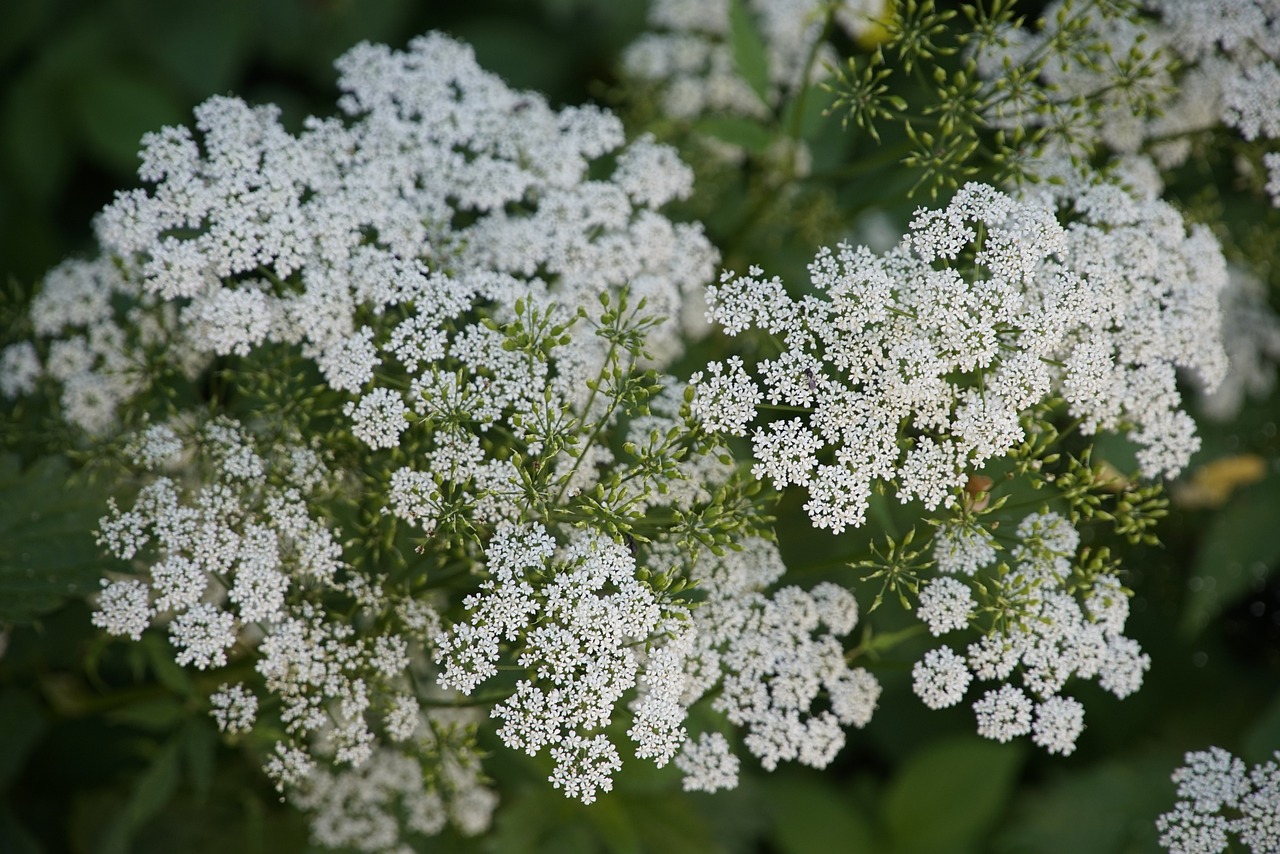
[[1240, 549], [748, 50], [946, 796], [47, 549]]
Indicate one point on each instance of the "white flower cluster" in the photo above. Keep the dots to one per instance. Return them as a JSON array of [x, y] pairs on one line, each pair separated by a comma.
[[1048, 635], [708, 764], [986, 309], [727, 399], [337, 240], [1220, 798], [1098, 76], [1151, 78], [430, 257], [1228, 51], [479, 294], [1271, 161], [580, 635], [770, 658], [689, 53], [239, 558], [374, 806], [1198, 68], [235, 541], [104, 340], [234, 707], [577, 635]]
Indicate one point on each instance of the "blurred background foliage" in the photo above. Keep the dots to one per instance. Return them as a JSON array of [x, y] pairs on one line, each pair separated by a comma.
[[104, 745]]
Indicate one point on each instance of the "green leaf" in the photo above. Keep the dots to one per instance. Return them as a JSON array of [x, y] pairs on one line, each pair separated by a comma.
[[949, 794], [158, 715], [153, 790], [1263, 737], [20, 24], [807, 113], [21, 723], [809, 814], [736, 131], [203, 46], [526, 55], [14, 837], [199, 748], [168, 672], [33, 137], [615, 825], [1239, 549], [115, 107], [47, 549], [748, 50], [1109, 807]]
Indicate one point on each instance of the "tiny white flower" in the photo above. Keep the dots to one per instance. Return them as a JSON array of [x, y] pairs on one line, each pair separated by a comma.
[[1003, 714], [941, 678], [946, 604], [234, 708], [124, 608], [708, 764], [1058, 723]]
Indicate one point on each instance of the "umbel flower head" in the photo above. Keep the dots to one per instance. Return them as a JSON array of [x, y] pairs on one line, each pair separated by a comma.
[[1220, 799], [442, 187], [915, 367], [914, 370], [437, 444]]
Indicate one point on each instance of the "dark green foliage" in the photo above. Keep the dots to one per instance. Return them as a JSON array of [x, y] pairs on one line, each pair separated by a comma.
[[48, 513]]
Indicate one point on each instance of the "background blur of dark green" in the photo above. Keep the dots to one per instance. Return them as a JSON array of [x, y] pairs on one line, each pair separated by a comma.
[[102, 746]]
